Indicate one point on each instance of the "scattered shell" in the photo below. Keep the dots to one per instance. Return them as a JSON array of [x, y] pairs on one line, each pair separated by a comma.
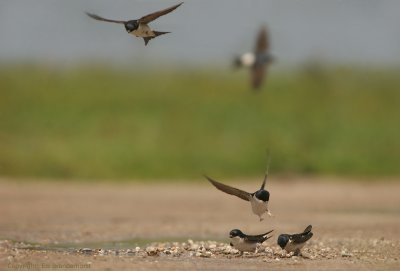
[[307, 256], [194, 246], [353, 249], [101, 252], [86, 250], [151, 251], [345, 253]]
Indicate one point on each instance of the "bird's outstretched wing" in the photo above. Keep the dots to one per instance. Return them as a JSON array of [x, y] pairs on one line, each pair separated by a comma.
[[262, 42], [97, 17], [258, 73], [229, 189], [302, 237], [259, 238], [152, 16]]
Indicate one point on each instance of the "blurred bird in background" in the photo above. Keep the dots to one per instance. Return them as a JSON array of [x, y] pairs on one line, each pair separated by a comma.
[[258, 61]]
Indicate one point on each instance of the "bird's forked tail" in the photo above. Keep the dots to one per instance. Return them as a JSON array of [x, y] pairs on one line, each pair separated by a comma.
[[156, 33]]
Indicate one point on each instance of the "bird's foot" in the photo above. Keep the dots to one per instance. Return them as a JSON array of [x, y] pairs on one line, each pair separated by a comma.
[[261, 219], [270, 214]]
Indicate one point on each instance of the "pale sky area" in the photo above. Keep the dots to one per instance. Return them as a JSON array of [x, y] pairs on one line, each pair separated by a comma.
[[204, 32]]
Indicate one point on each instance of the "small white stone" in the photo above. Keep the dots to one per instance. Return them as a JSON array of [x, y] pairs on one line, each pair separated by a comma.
[[194, 247], [212, 246]]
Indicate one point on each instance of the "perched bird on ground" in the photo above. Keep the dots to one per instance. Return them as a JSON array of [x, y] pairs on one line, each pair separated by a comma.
[[259, 199], [243, 242], [140, 27], [295, 242], [258, 61]]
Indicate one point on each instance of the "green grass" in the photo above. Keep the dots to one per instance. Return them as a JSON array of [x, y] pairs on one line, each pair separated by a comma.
[[90, 123]]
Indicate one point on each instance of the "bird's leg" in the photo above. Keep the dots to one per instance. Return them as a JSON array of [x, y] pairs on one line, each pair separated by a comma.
[[297, 252], [269, 213], [261, 219]]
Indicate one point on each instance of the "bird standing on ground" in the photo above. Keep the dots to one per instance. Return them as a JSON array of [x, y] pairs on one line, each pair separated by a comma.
[[243, 242], [140, 27], [295, 242]]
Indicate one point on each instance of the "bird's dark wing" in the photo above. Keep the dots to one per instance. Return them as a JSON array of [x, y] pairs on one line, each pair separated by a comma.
[[301, 237], [257, 75], [262, 42], [258, 238], [97, 17], [152, 16], [230, 190]]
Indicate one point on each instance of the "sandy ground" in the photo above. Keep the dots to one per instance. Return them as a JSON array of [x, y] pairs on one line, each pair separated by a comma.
[[43, 225]]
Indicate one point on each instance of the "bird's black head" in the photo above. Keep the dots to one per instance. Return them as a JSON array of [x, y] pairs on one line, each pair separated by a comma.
[[262, 195], [131, 25], [283, 239], [236, 233]]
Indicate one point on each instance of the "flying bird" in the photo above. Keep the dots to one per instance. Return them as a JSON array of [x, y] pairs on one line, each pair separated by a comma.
[[295, 242], [258, 61], [259, 199], [243, 242], [140, 27]]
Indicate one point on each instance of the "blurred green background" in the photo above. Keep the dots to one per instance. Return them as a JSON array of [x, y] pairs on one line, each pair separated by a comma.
[[82, 99], [89, 122]]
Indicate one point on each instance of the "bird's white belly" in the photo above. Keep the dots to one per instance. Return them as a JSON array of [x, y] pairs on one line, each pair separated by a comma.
[[241, 245], [259, 207], [143, 31], [248, 59], [291, 247]]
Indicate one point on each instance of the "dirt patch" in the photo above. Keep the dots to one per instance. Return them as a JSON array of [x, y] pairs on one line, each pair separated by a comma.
[[49, 225]]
